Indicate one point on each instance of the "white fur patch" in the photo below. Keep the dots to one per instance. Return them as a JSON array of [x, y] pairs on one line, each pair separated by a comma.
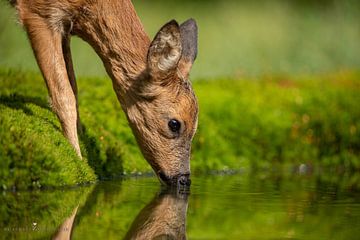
[[57, 19], [169, 61], [170, 50]]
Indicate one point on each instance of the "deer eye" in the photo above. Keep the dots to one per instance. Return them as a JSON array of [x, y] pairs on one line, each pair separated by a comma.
[[174, 125]]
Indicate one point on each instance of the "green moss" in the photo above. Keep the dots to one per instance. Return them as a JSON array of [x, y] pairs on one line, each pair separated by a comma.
[[273, 123], [33, 151]]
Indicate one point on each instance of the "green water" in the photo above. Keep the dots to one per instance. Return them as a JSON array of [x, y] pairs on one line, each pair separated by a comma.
[[217, 207]]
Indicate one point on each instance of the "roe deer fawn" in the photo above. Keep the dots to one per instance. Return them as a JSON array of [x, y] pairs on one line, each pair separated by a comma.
[[150, 79]]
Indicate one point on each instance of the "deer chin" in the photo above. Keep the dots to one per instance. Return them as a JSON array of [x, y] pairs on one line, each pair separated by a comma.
[[174, 172], [177, 175]]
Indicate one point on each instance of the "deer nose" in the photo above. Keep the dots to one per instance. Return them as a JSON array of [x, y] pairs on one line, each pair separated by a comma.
[[184, 180], [179, 180]]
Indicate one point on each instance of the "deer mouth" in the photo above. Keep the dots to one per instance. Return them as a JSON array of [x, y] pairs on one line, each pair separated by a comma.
[[180, 180]]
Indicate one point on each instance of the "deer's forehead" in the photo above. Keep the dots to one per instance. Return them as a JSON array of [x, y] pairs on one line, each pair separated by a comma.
[[184, 100], [189, 105], [188, 110], [179, 101]]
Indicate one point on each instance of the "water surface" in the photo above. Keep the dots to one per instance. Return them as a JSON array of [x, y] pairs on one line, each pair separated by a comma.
[[217, 207]]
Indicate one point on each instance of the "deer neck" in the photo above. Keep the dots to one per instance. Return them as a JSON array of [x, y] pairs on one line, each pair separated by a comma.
[[114, 30]]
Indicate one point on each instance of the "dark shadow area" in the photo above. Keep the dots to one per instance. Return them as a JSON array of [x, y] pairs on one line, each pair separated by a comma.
[[17, 101], [104, 168], [92, 149]]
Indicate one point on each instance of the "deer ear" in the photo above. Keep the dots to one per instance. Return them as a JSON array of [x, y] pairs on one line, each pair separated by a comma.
[[165, 50], [189, 42]]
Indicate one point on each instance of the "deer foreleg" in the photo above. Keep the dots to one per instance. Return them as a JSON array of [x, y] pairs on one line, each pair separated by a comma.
[[47, 45], [71, 74]]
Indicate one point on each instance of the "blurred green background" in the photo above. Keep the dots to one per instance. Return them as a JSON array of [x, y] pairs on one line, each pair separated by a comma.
[[236, 38]]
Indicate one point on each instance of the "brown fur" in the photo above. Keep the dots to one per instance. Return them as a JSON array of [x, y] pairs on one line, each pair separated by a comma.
[[150, 79]]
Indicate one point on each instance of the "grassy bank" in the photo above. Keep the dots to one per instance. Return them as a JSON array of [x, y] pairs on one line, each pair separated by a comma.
[[272, 123]]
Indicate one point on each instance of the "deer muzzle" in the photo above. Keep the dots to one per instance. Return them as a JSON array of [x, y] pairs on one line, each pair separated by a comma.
[[181, 180]]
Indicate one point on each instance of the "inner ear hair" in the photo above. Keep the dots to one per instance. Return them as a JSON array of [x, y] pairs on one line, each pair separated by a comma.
[[165, 50]]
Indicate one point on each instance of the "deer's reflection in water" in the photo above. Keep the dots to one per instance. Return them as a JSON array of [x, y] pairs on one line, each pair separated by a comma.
[[164, 217]]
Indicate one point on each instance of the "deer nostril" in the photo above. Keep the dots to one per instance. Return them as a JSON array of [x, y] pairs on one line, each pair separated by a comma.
[[184, 180]]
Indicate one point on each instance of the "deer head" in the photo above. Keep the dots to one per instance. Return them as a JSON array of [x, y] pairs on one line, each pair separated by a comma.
[[163, 109]]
